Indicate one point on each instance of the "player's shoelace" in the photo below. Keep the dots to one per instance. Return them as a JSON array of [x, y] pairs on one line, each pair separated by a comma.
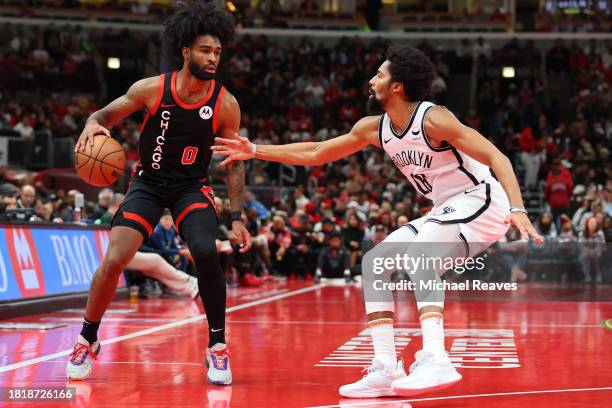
[[368, 370], [416, 365], [218, 358], [80, 352]]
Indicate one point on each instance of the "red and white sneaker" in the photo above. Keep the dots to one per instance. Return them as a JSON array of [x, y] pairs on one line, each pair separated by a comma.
[[81, 359], [217, 361]]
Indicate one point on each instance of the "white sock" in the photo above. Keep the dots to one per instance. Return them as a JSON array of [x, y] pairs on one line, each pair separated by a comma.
[[383, 340], [432, 327]]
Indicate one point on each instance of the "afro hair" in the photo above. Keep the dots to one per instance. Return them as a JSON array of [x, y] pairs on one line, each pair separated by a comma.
[[194, 19], [412, 68]]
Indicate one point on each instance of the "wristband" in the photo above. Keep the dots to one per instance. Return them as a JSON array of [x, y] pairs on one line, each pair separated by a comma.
[[518, 209], [253, 148], [236, 216]]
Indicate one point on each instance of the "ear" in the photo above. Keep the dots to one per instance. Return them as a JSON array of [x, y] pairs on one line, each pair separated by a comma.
[[397, 87], [186, 51]]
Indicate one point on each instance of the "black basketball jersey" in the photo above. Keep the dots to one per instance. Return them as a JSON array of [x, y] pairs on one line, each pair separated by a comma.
[[176, 137]]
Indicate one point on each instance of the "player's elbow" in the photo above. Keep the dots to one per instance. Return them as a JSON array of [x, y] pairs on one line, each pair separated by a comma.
[[499, 160]]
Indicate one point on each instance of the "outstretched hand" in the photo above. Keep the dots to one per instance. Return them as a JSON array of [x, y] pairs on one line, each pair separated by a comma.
[[522, 223], [235, 149]]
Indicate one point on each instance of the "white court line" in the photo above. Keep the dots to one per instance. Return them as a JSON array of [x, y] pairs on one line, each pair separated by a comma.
[[109, 319], [172, 325], [130, 362], [497, 394], [409, 325]]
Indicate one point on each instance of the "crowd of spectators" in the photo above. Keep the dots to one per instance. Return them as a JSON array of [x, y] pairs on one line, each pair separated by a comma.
[[317, 91], [274, 13], [584, 21]]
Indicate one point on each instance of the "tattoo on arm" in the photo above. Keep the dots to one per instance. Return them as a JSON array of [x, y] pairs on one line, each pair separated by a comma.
[[235, 184]]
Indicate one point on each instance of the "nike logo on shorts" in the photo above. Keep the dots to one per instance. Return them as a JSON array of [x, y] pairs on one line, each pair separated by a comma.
[[471, 190]]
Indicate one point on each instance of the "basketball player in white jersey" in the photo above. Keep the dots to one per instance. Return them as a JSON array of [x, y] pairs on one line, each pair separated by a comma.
[[447, 162]]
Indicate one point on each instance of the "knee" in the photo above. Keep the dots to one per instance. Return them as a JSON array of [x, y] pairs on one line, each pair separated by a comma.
[[205, 252], [113, 265]]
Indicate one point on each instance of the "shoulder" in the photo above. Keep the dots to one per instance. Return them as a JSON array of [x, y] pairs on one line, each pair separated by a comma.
[[366, 126], [439, 121], [438, 116], [228, 102], [146, 86], [228, 111], [147, 92]]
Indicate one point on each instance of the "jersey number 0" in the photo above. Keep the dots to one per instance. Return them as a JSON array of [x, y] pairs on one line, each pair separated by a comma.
[[189, 155]]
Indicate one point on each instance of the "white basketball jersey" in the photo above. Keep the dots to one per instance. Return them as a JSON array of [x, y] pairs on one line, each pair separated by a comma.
[[436, 172]]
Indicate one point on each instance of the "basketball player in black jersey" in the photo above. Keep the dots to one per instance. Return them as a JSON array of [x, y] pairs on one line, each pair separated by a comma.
[[185, 110]]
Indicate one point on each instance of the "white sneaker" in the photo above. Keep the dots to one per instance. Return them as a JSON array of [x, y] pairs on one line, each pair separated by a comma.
[[426, 374], [217, 361], [376, 382], [192, 289], [82, 358]]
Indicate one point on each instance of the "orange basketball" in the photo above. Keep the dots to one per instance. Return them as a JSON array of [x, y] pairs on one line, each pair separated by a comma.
[[101, 164]]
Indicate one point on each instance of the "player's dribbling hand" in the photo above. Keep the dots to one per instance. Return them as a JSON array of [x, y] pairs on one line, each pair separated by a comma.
[[522, 223], [87, 136], [235, 149], [242, 236]]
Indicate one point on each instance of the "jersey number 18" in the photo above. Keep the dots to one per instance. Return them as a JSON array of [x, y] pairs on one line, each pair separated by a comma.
[[421, 183]]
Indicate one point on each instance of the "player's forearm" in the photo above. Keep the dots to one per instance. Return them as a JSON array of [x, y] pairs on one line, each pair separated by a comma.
[[235, 185], [299, 154], [502, 167], [101, 118]]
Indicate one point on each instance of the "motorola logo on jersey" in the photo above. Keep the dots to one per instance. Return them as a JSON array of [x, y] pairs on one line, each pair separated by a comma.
[[160, 140], [412, 157], [206, 112]]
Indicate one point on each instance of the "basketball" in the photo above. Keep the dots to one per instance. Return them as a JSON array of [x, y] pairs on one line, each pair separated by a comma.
[[101, 164]]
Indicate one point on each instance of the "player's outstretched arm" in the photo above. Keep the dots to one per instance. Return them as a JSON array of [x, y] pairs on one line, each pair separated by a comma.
[[363, 133], [441, 125], [140, 95]]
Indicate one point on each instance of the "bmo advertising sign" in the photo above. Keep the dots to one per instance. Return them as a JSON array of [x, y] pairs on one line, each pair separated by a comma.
[[44, 261]]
